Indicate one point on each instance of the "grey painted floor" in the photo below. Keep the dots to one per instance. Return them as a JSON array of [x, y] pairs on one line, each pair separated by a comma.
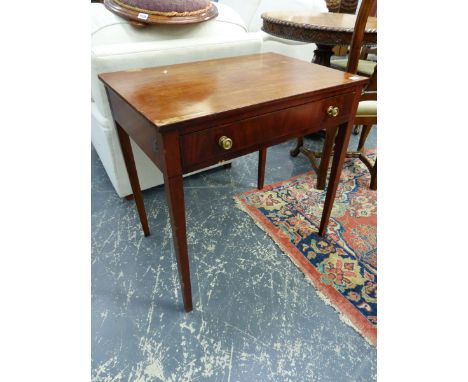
[[256, 318]]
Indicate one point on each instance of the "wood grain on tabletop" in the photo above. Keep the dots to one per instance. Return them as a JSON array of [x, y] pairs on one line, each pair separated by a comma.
[[169, 94]]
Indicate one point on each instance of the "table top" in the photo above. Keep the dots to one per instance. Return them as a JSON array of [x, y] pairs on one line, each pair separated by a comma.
[[341, 22], [169, 95], [327, 28]]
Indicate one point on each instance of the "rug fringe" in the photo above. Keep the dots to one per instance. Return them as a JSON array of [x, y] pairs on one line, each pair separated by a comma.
[[341, 315], [240, 205]]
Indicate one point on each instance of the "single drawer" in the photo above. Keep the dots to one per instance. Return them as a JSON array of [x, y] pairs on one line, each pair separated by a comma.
[[229, 141]]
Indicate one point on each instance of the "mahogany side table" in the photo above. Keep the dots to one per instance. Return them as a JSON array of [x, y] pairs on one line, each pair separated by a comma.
[[189, 116]]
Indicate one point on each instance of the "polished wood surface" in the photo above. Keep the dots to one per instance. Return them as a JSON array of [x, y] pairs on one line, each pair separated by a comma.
[[168, 96], [339, 22], [185, 117], [324, 29], [341, 144], [321, 28], [262, 154], [133, 177], [201, 149], [175, 200]]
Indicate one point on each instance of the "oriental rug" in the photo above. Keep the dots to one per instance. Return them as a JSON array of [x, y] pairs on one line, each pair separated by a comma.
[[342, 265]]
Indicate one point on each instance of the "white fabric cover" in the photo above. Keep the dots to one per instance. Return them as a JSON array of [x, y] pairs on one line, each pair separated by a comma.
[[108, 28], [245, 8]]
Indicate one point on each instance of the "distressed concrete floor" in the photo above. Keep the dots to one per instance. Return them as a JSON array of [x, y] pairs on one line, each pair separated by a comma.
[[256, 318]]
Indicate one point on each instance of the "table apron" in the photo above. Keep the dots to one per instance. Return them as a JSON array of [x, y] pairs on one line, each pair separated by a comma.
[[140, 130], [298, 32], [202, 148]]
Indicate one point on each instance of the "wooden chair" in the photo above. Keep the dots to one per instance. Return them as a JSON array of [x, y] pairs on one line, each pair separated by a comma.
[[366, 114], [365, 66]]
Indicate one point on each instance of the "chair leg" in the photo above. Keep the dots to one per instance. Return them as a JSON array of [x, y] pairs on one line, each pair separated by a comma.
[[325, 159], [364, 134], [373, 181], [295, 151], [261, 167]]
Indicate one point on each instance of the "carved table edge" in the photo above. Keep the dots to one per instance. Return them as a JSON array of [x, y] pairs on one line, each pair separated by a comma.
[[312, 27]]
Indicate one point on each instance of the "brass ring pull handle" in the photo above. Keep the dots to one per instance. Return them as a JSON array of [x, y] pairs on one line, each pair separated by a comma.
[[333, 111], [225, 142]]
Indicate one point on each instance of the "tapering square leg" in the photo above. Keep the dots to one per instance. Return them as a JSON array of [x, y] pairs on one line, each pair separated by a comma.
[[175, 199], [330, 135], [341, 146], [133, 176]]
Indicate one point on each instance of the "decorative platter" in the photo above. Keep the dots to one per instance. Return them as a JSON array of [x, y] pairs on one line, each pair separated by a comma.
[[142, 12]]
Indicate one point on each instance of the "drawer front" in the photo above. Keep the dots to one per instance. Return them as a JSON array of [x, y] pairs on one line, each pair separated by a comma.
[[204, 147]]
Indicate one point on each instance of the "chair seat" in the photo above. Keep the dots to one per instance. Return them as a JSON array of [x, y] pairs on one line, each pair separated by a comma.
[[365, 67], [367, 108]]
